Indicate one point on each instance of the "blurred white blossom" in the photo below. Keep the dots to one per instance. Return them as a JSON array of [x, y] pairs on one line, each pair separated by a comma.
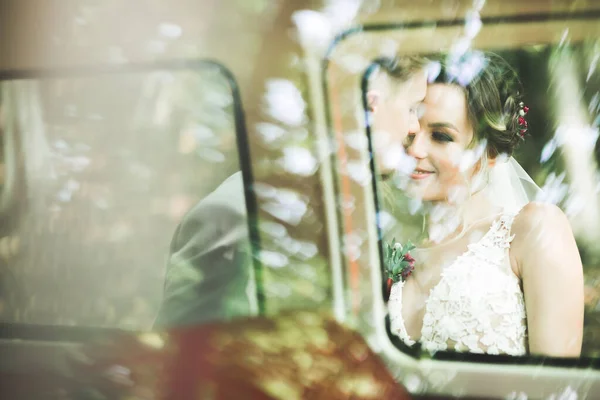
[[270, 132], [202, 133], [284, 102], [584, 136], [353, 62], [273, 229], [119, 374], [574, 205], [316, 29], [307, 250], [389, 48], [304, 250], [414, 383], [273, 259], [548, 150], [473, 24], [359, 172], [468, 158], [414, 205], [464, 69], [433, 70], [386, 220], [265, 191], [593, 66], [567, 394], [459, 48], [516, 396], [170, 30], [61, 145], [564, 40], [396, 158], [286, 206], [554, 190], [356, 140], [299, 161], [211, 155], [279, 289], [342, 12]]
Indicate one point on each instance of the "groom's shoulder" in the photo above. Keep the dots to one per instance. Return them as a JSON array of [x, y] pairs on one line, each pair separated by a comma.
[[227, 198]]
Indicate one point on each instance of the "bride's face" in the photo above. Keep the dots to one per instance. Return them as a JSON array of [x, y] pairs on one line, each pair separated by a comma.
[[440, 147]]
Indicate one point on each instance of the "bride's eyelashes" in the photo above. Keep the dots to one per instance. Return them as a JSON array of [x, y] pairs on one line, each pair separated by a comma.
[[437, 136], [441, 137]]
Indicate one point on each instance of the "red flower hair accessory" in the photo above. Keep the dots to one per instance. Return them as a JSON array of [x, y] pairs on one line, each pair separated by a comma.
[[521, 121]]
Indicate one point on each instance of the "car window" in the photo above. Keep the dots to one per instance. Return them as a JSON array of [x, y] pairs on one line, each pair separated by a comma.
[[557, 63], [109, 179]]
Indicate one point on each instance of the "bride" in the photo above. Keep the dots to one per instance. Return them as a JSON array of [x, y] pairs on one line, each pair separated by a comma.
[[494, 271]]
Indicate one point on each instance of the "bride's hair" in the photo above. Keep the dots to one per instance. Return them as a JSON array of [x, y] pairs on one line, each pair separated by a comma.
[[493, 93]]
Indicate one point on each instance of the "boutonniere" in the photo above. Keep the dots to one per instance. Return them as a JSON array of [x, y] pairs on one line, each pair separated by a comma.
[[399, 264]]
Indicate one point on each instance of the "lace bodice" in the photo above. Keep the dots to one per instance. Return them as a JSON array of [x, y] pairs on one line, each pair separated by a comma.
[[478, 304]]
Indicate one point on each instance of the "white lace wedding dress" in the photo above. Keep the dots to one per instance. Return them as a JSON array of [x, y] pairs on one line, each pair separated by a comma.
[[478, 304]]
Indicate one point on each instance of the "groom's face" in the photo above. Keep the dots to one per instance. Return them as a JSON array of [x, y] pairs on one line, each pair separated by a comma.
[[395, 107]]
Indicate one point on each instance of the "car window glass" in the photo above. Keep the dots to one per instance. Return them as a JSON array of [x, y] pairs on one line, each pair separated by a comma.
[[100, 174]]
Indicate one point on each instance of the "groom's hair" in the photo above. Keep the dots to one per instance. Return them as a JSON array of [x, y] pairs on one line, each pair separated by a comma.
[[401, 67], [395, 71]]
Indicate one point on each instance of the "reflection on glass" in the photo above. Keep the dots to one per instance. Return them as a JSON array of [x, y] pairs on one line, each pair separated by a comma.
[[98, 172], [497, 266], [294, 271]]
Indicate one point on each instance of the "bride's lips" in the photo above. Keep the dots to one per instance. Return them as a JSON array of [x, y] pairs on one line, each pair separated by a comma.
[[420, 174]]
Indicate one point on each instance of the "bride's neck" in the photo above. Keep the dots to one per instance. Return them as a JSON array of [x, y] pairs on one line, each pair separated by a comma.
[[444, 221]]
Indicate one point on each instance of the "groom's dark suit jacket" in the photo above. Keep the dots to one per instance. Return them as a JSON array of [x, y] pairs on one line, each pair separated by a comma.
[[209, 271]]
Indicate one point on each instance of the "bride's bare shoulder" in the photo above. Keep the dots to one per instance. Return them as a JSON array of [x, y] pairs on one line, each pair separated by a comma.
[[538, 218], [540, 230]]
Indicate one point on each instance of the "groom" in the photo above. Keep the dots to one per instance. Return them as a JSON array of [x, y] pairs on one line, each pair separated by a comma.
[[396, 91], [209, 268], [209, 272]]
